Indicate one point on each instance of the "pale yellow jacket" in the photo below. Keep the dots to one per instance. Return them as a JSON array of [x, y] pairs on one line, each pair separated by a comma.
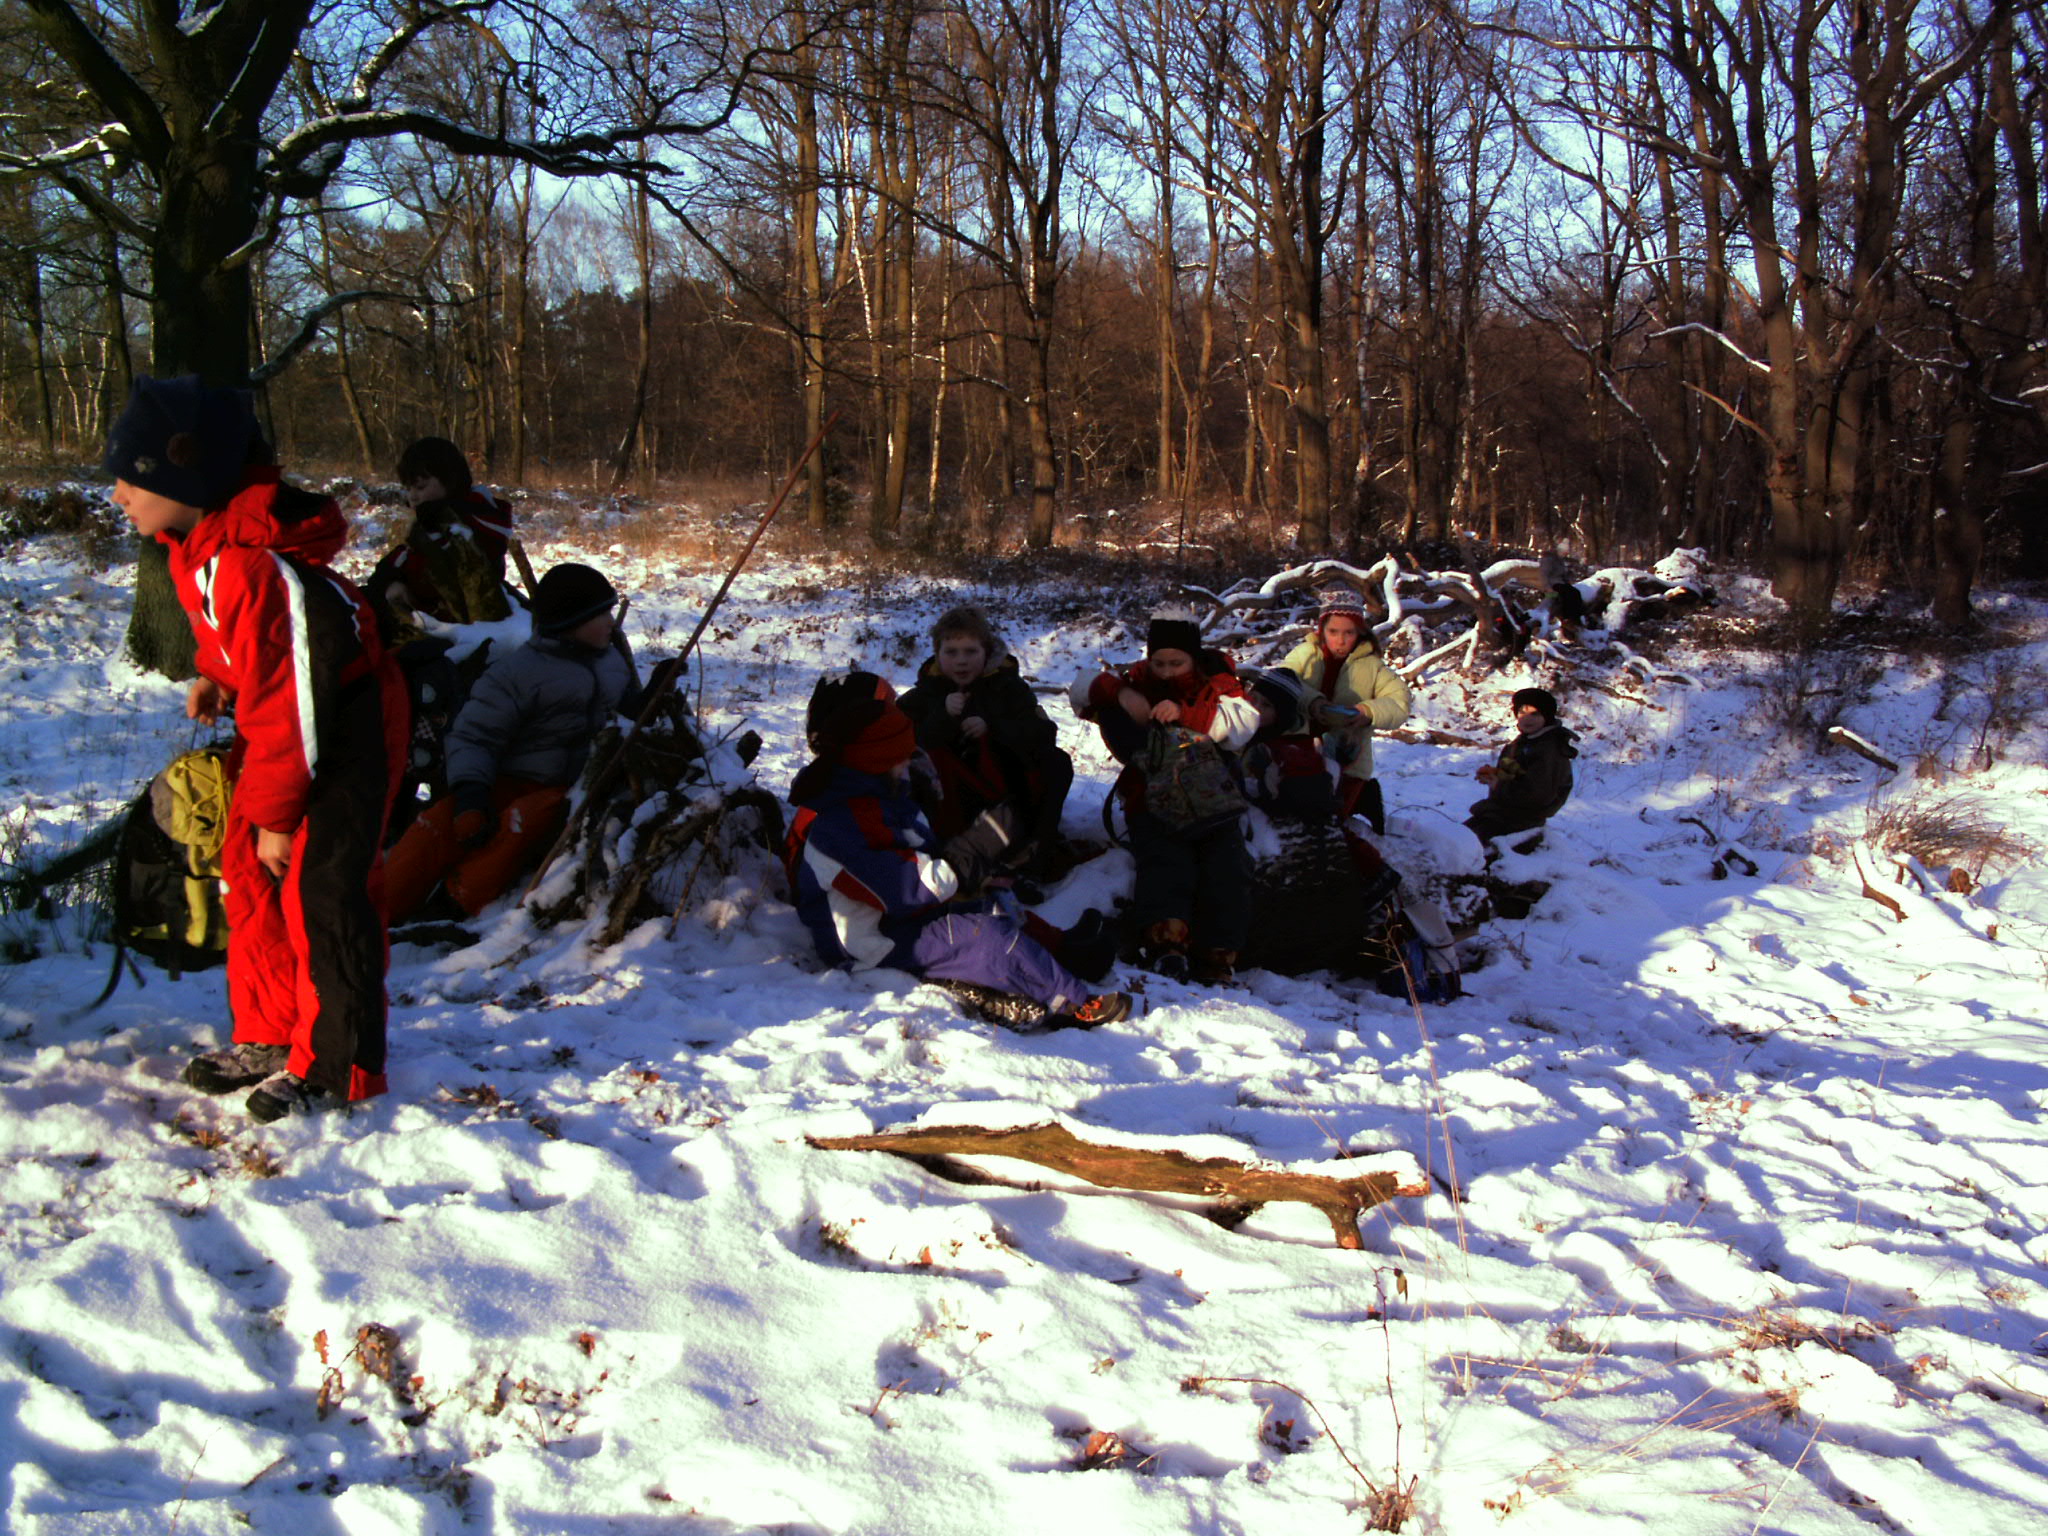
[[1364, 683]]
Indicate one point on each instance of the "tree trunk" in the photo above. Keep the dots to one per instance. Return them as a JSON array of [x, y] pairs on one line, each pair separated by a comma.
[[46, 419], [200, 311], [810, 272], [632, 448]]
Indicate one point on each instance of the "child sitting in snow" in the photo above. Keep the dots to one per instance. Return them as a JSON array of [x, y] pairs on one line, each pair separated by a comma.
[[1533, 778], [1165, 714], [451, 565], [1341, 662], [862, 862], [517, 746], [990, 744]]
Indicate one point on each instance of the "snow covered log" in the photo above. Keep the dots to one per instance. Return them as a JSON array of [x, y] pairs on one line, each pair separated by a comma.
[[1229, 1184], [1499, 610]]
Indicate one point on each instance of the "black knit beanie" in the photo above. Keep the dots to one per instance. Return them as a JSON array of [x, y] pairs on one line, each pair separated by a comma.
[[182, 439], [567, 595], [1171, 632], [1544, 700]]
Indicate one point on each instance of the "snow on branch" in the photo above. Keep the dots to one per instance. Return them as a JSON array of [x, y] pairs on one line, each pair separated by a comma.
[[1712, 334], [309, 328], [1511, 607], [106, 140]]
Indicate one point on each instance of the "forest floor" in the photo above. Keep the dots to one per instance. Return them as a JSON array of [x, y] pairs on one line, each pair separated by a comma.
[[1739, 1185]]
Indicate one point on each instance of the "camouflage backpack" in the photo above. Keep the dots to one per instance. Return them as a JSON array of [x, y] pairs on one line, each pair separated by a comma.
[[1191, 783]]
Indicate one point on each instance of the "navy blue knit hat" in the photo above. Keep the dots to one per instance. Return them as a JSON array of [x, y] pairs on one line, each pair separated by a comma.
[[183, 439], [567, 595]]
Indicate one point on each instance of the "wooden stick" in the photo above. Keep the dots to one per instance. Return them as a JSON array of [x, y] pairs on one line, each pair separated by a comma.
[[1843, 737], [524, 566], [1341, 1200], [600, 781]]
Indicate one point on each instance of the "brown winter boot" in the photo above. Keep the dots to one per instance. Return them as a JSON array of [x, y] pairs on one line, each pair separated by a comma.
[[1166, 948], [1215, 967]]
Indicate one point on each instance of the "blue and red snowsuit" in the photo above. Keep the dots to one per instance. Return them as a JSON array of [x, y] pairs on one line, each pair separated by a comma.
[[320, 733], [872, 895]]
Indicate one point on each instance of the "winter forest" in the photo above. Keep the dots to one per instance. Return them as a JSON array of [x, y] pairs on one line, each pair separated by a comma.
[[1652, 394], [1765, 278]]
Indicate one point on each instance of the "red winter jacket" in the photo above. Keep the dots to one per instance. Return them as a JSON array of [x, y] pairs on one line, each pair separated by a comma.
[[1198, 693], [278, 630]]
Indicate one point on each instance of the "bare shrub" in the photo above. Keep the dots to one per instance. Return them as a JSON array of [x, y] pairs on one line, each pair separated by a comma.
[[2010, 698], [1805, 691], [1954, 832]]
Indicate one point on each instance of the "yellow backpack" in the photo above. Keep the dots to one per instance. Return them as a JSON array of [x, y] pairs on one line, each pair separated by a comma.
[[167, 902]]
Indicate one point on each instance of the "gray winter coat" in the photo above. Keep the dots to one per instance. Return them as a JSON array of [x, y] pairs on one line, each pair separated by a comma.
[[535, 711]]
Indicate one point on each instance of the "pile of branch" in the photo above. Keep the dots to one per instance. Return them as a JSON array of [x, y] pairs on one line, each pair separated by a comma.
[[659, 818]]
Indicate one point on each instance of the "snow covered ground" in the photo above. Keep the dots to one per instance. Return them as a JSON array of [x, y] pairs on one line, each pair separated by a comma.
[[1755, 1176]]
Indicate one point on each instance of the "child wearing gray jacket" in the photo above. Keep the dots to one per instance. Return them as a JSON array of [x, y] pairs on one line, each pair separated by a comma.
[[518, 744]]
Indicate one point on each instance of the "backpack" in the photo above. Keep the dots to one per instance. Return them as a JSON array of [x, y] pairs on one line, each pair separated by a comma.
[[166, 895], [1191, 783]]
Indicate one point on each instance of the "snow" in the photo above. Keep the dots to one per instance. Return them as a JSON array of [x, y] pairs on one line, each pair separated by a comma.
[[1754, 1174]]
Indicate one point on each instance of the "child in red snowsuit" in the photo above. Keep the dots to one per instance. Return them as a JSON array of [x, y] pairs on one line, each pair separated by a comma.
[[320, 727]]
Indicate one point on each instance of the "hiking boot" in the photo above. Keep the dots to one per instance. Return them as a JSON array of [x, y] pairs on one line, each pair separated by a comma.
[[284, 1094], [1166, 949], [1215, 967], [1170, 963], [1380, 888], [1105, 1008], [234, 1066], [1088, 949]]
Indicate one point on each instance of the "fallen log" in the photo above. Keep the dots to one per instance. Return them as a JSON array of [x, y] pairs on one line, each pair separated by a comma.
[[1842, 736], [1227, 1183], [1430, 736]]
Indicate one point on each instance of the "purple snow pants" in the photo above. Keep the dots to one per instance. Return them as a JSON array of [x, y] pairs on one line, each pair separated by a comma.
[[993, 951]]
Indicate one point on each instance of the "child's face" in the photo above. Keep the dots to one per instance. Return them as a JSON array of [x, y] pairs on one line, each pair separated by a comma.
[[1529, 719], [153, 513], [961, 659], [1340, 634], [1169, 665], [595, 631], [424, 488]]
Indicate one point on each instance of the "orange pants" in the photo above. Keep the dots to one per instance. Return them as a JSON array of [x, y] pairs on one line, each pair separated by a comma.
[[529, 817]]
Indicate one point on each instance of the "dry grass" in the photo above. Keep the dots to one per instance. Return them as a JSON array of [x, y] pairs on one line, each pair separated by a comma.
[[1952, 832]]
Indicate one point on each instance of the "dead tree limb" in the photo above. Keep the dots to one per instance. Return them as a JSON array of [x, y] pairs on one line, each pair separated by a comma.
[[1842, 736], [1890, 903], [1218, 1179]]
